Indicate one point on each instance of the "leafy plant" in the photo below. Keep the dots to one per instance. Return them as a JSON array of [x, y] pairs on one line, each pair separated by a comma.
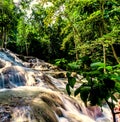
[[62, 63], [99, 87], [74, 66]]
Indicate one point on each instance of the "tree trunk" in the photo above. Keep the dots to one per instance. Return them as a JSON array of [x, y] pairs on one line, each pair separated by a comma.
[[115, 55], [102, 28], [113, 114], [26, 48], [102, 11], [2, 43], [75, 42], [5, 38], [2, 37], [104, 57], [104, 50]]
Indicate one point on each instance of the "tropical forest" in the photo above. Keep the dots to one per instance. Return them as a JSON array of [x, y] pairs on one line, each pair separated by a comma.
[[59, 60]]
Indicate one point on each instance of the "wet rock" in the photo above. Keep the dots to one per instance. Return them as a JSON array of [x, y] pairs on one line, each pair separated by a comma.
[[59, 112], [42, 110], [59, 74], [2, 64]]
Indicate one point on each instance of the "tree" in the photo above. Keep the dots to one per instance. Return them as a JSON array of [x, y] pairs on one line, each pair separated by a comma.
[[8, 19], [89, 26], [48, 37], [23, 30], [39, 29]]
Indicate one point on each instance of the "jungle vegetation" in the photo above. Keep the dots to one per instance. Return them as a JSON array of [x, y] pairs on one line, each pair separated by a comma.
[[76, 35]]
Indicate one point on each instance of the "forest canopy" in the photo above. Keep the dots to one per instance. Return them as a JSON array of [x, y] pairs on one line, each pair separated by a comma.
[[81, 30]]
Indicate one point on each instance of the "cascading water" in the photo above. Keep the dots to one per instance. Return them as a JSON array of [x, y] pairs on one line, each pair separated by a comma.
[[23, 114], [2, 83], [33, 95]]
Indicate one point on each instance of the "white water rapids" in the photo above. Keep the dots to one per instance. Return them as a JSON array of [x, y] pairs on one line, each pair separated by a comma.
[[32, 94]]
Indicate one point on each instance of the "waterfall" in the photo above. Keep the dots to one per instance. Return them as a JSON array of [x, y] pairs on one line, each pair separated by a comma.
[[33, 94], [23, 114], [2, 81]]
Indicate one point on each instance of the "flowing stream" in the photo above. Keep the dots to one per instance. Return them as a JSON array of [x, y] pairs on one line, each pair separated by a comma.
[[29, 93]]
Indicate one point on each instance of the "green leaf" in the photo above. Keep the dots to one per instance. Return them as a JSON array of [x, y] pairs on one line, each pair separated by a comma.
[[94, 73], [114, 98], [84, 93], [71, 81], [74, 66], [77, 91], [68, 89], [109, 68], [117, 87], [118, 66], [68, 74], [97, 64], [116, 78]]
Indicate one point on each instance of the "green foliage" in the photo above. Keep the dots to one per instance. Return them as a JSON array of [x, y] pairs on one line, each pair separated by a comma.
[[68, 89], [71, 82], [74, 66], [62, 63], [8, 21], [79, 32], [88, 26], [84, 91], [100, 86], [71, 29], [97, 65]]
